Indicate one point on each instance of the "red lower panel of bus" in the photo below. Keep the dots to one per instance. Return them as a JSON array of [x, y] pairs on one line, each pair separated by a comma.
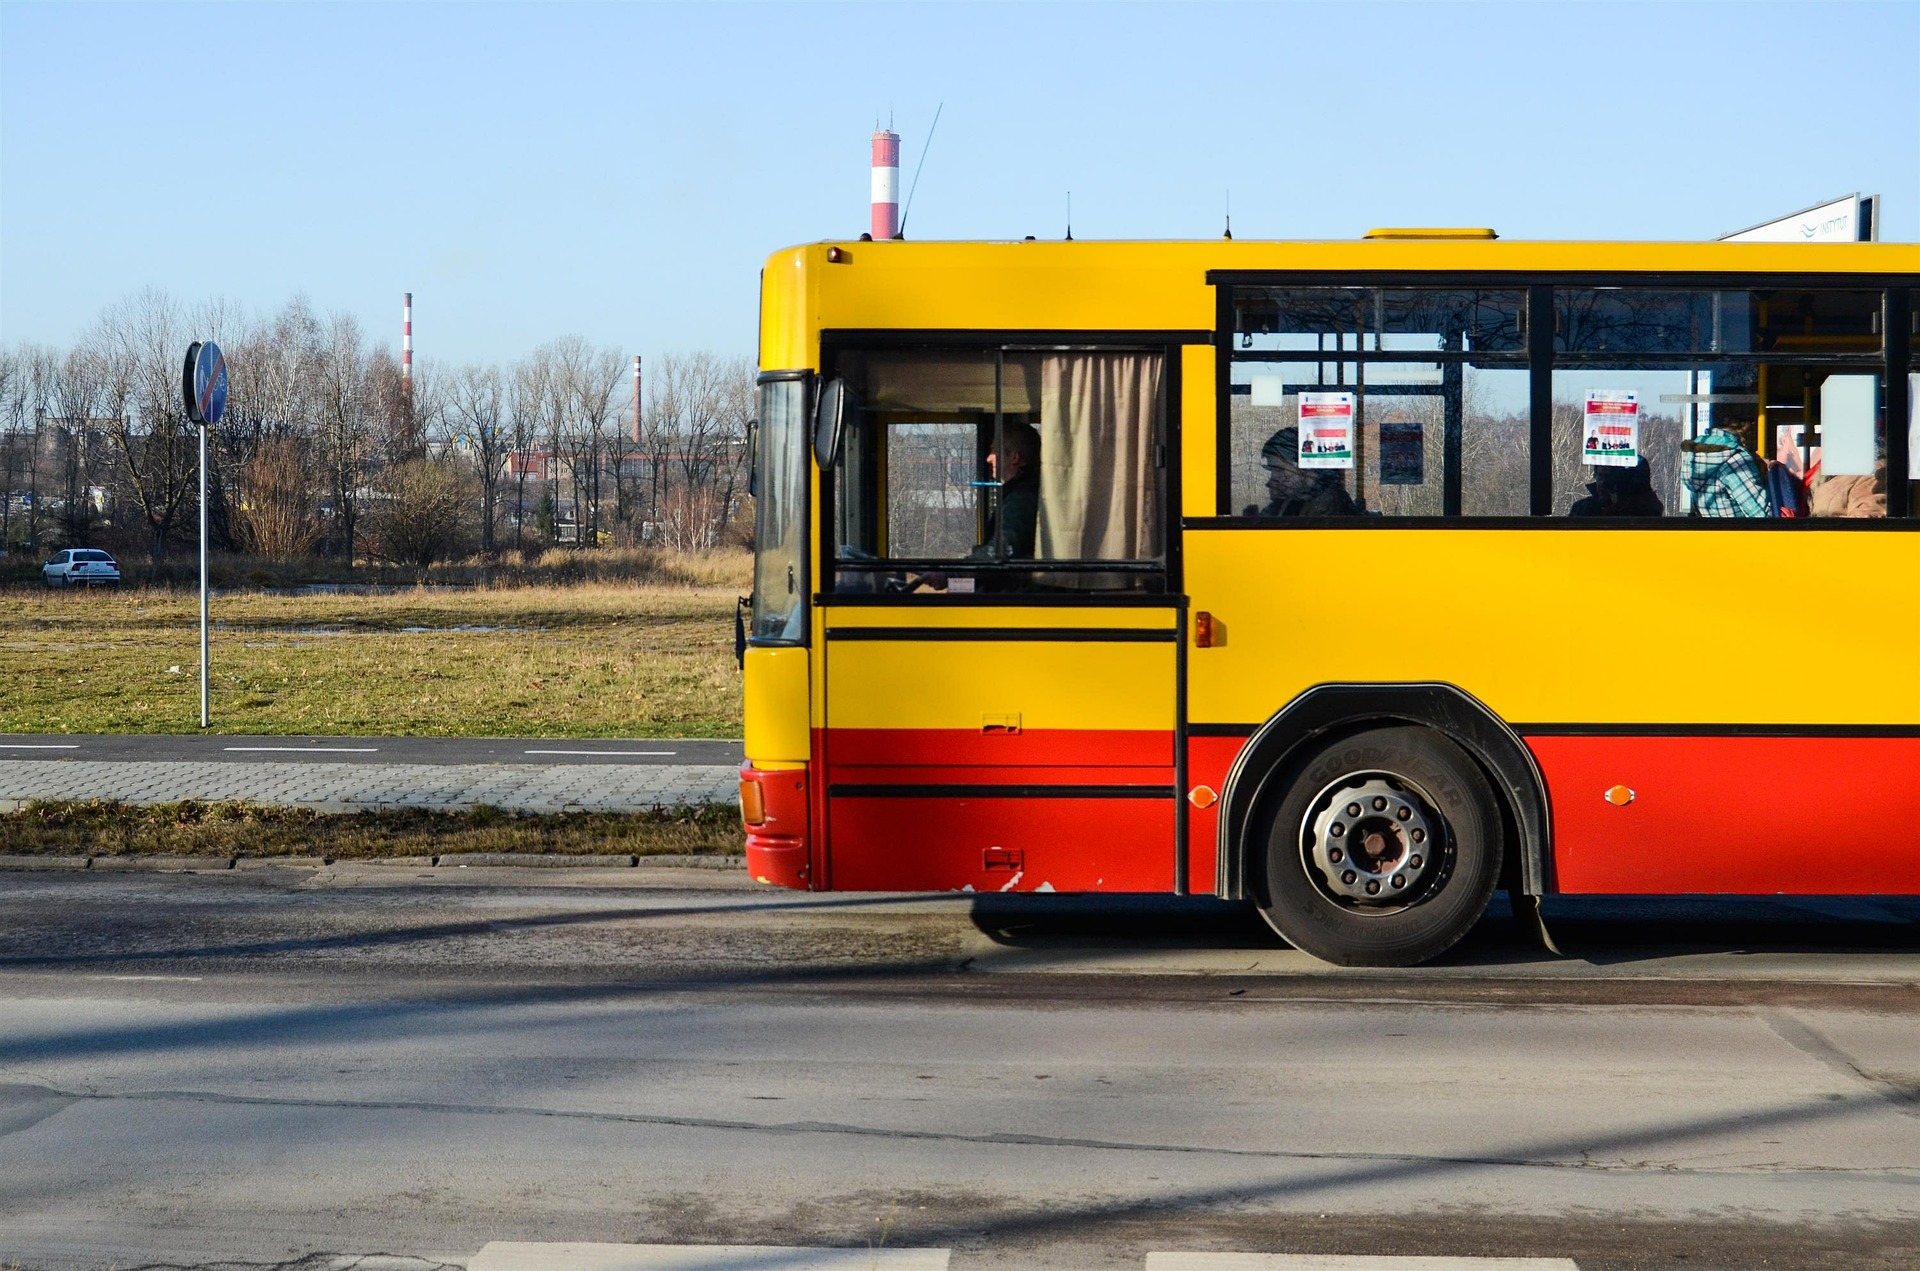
[[1208, 759], [952, 809], [1733, 815], [944, 843]]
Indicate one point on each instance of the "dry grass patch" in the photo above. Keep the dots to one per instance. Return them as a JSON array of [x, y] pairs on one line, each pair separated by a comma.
[[240, 829], [588, 660]]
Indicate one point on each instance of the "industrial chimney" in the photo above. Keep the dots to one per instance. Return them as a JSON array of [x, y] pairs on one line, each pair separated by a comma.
[[886, 184], [406, 341]]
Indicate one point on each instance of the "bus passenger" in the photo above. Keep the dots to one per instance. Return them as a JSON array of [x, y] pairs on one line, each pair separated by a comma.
[[1725, 477], [1620, 492], [1864, 495], [1018, 508], [1294, 491]]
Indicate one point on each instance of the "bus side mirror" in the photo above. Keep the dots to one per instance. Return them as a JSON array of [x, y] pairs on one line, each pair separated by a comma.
[[829, 418]]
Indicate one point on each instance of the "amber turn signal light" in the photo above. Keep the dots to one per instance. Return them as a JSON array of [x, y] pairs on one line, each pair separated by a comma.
[[753, 805], [1203, 630]]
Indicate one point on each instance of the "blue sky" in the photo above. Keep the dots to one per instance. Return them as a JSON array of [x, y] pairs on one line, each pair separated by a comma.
[[620, 171]]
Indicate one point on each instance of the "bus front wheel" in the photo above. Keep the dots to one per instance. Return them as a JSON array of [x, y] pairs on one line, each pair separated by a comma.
[[1383, 850]]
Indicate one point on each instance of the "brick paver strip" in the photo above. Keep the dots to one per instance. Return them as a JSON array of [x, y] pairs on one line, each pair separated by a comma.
[[530, 787]]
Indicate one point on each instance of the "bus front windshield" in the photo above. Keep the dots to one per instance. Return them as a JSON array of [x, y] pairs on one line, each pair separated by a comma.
[[780, 512]]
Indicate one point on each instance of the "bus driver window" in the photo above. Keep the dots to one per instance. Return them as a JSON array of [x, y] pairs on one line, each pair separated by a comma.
[[993, 470]]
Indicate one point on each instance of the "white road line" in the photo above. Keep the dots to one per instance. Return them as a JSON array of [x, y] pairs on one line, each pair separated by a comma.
[[25, 745], [1344, 1262], [307, 750], [190, 979], [661, 753], [501, 1255]]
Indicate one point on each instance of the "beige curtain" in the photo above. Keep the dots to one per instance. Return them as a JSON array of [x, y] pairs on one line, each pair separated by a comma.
[[1099, 485]]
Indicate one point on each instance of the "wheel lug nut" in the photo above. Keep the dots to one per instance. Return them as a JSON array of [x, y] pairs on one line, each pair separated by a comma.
[[1413, 862], [1403, 814], [1399, 880], [1373, 888], [1348, 877], [1353, 809], [1337, 829], [1379, 804], [1419, 836], [1336, 856]]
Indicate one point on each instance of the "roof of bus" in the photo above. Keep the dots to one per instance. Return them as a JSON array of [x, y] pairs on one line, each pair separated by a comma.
[[1410, 252], [1087, 285]]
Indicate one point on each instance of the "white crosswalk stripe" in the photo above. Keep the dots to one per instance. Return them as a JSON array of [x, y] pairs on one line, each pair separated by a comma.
[[1345, 1262], [504, 1255]]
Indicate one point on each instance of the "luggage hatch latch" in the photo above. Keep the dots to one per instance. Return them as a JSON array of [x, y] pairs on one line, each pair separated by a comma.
[[1002, 858]]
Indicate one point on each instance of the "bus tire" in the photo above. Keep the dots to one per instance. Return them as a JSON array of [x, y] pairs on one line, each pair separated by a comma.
[[1383, 849]]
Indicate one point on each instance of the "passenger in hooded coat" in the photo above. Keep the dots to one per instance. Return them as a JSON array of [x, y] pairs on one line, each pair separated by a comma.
[[1620, 492]]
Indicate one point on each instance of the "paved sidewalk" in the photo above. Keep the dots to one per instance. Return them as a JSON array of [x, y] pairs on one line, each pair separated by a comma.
[[349, 787]]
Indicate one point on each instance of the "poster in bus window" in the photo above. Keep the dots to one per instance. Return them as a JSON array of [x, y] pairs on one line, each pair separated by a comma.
[[1612, 437], [1326, 430], [1403, 453]]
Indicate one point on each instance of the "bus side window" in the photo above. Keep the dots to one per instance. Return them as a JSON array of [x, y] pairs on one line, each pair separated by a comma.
[[1385, 401]]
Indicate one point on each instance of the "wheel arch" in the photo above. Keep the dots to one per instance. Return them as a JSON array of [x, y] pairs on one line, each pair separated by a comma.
[[1326, 712]]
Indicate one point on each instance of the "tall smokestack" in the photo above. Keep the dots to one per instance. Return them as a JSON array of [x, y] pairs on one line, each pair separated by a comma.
[[636, 399], [406, 342], [886, 184]]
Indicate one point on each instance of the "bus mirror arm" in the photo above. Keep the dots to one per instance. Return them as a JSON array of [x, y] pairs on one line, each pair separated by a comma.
[[740, 606]]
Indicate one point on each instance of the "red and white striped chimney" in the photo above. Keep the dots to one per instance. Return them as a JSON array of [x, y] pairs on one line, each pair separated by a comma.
[[886, 184], [406, 341], [636, 399]]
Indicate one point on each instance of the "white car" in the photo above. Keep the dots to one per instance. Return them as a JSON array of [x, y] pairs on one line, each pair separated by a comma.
[[80, 567]]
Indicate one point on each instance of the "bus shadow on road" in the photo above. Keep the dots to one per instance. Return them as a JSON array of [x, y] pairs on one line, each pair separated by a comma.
[[1201, 934]]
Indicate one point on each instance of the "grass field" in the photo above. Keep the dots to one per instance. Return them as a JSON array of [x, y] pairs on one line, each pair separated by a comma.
[[595, 659]]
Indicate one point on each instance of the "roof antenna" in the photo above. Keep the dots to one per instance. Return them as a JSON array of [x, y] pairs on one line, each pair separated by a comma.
[[1229, 233], [916, 170], [1069, 216]]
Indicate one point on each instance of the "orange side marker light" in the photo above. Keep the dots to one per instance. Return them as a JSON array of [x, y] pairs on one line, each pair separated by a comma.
[[753, 804], [1202, 796], [1619, 796]]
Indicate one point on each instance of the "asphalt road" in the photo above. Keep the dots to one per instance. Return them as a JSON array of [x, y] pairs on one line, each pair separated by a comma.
[[218, 748], [308, 1067]]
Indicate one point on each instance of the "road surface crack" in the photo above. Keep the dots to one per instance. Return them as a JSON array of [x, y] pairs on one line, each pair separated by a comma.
[[1585, 1163]]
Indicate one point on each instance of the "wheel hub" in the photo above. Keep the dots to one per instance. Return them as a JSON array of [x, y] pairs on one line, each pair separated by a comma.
[[1373, 842]]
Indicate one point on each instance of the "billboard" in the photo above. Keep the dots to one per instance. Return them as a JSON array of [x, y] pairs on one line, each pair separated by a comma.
[[1853, 219]]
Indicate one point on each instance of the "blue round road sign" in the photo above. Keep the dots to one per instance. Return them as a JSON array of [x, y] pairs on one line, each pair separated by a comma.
[[204, 382]]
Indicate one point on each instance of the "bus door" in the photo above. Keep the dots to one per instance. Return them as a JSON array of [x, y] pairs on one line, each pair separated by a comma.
[[1001, 651]]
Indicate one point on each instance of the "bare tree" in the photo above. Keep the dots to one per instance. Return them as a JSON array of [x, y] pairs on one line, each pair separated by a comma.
[[347, 433], [526, 404], [277, 517], [697, 438], [477, 424], [143, 340], [581, 390], [420, 516], [81, 392]]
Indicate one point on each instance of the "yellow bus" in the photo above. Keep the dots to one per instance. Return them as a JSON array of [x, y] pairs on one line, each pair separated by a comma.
[[1355, 579]]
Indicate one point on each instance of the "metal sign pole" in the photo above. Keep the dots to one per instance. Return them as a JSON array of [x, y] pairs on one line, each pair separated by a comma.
[[203, 391], [205, 697]]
